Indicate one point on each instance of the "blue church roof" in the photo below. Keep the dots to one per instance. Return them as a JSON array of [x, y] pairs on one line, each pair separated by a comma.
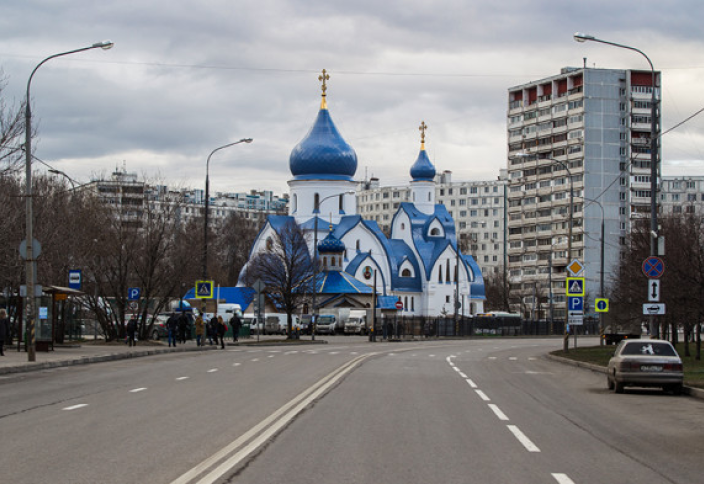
[[232, 295], [331, 244], [337, 282], [323, 153], [423, 169]]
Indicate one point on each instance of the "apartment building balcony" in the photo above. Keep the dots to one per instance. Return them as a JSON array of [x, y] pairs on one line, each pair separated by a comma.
[[641, 126]]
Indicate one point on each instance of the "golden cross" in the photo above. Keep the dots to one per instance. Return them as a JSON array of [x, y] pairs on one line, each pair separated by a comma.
[[324, 77], [422, 129]]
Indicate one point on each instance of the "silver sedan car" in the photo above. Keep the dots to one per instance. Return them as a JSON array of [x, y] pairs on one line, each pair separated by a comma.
[[645, 363]]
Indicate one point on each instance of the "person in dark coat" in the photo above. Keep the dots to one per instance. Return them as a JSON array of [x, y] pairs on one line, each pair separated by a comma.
[[212, 330], [172, 327], [132, 331], [182, 328], [4, 330], [236, 325], [220, 329]]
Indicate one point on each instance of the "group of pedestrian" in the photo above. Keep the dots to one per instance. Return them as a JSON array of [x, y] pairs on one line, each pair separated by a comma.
[[214, 330]]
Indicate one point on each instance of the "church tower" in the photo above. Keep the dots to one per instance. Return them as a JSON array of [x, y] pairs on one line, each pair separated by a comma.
[[423, 178], [323, 166]]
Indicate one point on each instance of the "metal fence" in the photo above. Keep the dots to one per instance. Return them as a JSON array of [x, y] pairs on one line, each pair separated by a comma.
[[397, 328]]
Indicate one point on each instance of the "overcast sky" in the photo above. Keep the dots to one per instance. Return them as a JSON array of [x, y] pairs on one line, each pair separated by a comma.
[[186, 77]]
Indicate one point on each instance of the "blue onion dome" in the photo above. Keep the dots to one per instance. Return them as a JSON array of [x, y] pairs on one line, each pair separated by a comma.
[[423, 169], [331, 244], [323, 154]]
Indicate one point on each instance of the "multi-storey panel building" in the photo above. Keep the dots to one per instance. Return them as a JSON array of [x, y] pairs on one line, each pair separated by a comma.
[[582, 134], [682, 195]]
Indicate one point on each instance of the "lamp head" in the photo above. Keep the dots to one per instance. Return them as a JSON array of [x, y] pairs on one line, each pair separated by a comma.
[[581, 37], [246, 140], [105, 44]]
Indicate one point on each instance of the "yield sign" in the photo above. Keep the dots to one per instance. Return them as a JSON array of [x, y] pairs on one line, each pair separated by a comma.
[[653, 267]]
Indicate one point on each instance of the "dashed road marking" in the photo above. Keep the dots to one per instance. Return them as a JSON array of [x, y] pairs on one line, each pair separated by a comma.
[[494, 408], [462, 375], [236, 364], [212, 370], [471, 383], [530, 446], [137, 390], [513, 358], [75, 407], [483, 395], [562, 478], [181, 378]]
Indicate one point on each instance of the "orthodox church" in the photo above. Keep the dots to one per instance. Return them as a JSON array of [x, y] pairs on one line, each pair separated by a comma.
[[419, 264]]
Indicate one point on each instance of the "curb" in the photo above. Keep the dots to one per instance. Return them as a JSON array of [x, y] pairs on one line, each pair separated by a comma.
[[33, 366], [691, 391]]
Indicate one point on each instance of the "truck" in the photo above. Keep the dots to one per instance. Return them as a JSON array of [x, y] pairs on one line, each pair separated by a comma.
[[357, 322], [333, 325], [227, 311], [615, 331]]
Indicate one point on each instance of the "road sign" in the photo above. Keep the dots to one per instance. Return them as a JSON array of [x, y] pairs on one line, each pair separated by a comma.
[[654, 290], [575, 267], [399, 304], [575, 317], [601, 305], [74, 279], [258, 286], [653, 267], [575, 286], [575, 303], [134, 305], [204, 289], [653, 308], [133, 293]]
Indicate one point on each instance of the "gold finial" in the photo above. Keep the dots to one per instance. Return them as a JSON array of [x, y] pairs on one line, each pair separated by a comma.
[[324, 77], [422, 129]]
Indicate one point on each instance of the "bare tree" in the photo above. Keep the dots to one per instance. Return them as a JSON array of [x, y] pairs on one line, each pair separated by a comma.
[[11, 133], [497, 289], [232, 246], [285, 267]]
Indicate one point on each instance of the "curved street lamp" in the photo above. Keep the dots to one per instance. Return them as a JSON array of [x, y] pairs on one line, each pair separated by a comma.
[[207, 201], [30, 263], [580, 37]]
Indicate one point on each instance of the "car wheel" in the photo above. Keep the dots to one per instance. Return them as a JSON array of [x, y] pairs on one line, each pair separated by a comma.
[[155, 335], [619, 387], [609, 383]]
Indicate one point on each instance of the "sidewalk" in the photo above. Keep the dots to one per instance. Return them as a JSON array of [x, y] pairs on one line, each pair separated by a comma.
[[84, 353]]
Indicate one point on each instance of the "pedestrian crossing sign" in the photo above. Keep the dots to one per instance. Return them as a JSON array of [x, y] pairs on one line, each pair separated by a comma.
[[204, 289], [575, 286]]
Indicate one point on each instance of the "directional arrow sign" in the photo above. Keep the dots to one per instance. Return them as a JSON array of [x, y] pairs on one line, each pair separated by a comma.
[[653, 308], [654, 290]]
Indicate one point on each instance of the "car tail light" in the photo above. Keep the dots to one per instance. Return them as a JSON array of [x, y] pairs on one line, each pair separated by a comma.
[[628, 366], [672, 366]]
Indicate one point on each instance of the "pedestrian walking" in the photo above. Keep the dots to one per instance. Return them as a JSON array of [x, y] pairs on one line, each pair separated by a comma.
[[220, 330], [212, 330], [4, 330], [236, 325], [200, 331], [172, 327], [182, 328], [132, 331]]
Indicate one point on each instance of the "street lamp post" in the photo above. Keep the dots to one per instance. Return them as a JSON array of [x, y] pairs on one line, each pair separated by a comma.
[[580, 37], [207, 202], [30, 262], [316, 209], [61, 173]]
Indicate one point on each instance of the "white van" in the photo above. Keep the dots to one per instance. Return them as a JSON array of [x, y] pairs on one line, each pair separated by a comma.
[[276, 323]]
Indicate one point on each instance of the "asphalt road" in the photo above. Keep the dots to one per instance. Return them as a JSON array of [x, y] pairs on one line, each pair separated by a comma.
[[489, 411]]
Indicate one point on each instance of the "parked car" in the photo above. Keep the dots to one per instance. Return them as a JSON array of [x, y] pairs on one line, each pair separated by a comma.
[[326, 324], [645, 363]]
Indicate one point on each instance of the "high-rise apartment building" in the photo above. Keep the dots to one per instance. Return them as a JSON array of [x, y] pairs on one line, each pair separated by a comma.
[[586, 131]]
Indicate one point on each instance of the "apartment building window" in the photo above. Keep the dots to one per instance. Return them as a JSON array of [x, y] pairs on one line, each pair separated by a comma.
[[386, 194], [689, 209], [574, 149], [576, 134], [463, 191], [677, 209], [558, 108], [675, 197], [691, 197], [463, 213], [472, 213], [559, 123], [442, 192], [576, 104], [473, 190], [463, 201], [691, 185]]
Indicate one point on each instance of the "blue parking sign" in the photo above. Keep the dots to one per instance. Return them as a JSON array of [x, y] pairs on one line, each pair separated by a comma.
[[576, 303], [133, 293]]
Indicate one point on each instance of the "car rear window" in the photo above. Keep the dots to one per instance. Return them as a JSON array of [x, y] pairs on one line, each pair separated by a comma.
[[648, 349]]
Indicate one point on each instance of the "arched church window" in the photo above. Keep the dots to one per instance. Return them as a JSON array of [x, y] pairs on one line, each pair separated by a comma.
[[325, 261], [269, 243], [406, 273], [435, 231], [357, 244], [342, 203], [429, 197], [439, 273], [316, 203], [295, 203], [447, 272]]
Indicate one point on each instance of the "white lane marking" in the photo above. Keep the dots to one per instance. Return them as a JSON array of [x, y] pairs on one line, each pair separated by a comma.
[[212, 370], [291, 352], [456, 369], [483, 396], [271, 356], [462, 375], [254, 359], [562, 478], [498, 412], [492, 357], [334, 353], [471, 383], [354, 353], [274, 351], [236, 364], [532, 358], [431, 356], [182, 378], [74, 407], [392, 354], [137, 390], [513, 358], [530, 446]]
